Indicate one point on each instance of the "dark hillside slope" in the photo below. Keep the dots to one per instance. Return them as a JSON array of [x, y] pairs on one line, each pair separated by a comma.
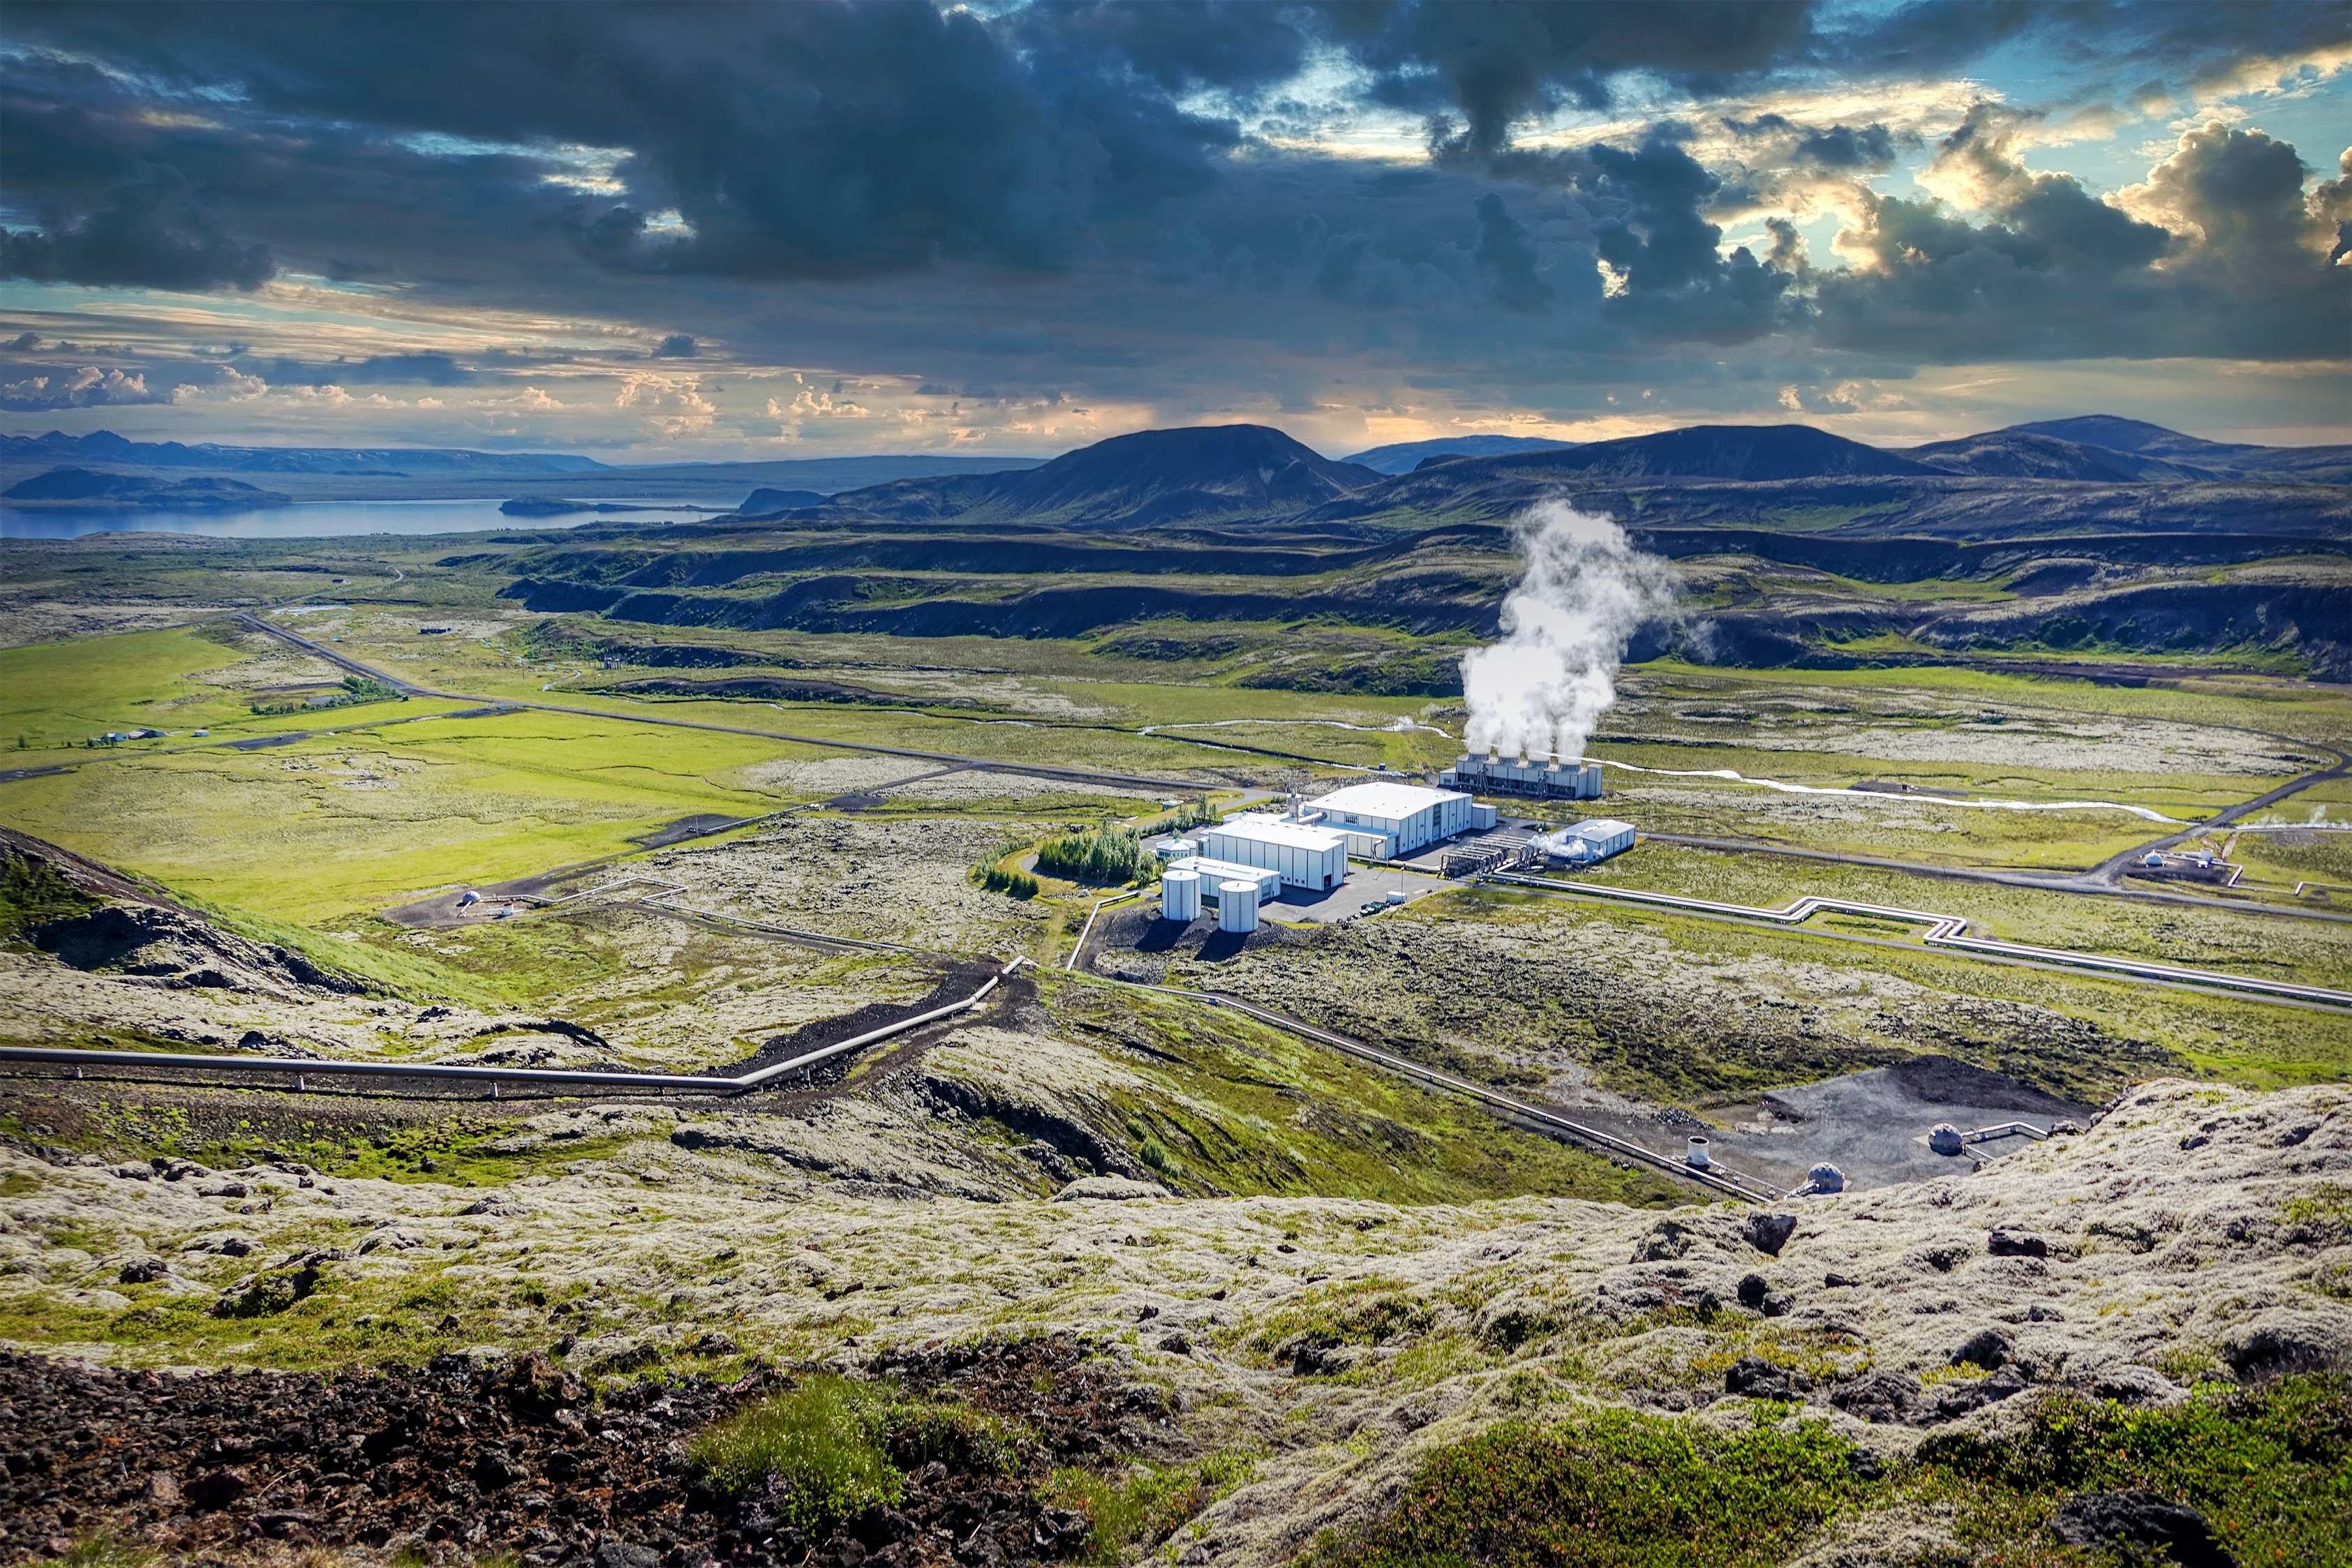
[[1134, 481], [2311, 465], [1749, 453], [2022, 454], [86, 487], [105, 446], [1405, 456]]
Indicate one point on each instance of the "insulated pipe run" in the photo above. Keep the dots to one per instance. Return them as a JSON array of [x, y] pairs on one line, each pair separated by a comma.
[[1943, 931], [1087, 930], [1720, 1177], [303, 1067], [2004, 1130]]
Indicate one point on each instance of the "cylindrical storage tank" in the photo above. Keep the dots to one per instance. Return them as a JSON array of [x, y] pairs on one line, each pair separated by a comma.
[[1180, 896], [1237, 905]]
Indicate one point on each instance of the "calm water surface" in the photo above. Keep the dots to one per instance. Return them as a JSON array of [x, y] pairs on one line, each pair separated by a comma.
[[318, 520]]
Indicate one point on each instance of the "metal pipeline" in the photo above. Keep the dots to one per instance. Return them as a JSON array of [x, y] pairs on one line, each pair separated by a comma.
[[1720, 1177], [302, 1068], [1943, 931]]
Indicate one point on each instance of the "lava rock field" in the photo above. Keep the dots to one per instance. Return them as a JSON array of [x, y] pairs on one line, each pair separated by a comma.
[[465, 1456]]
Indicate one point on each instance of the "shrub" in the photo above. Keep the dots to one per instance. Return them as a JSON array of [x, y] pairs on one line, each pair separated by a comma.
[[32, 893], [1145, 1509], [839, 1445], [1105, 854], [824, 1440], [1610, 1489], [2271, 1466]]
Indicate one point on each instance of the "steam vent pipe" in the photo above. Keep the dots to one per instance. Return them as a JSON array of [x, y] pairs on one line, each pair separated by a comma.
[[1697, 1154]]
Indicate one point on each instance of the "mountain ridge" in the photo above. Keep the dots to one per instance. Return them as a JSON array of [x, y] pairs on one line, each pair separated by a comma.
[[1149, 476], [1404, 457]]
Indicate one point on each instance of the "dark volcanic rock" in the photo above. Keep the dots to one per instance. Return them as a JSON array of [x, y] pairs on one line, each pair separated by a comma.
[[2016, 1244], [518, 1458], [1758, 1378], [1882, 1398], [2138, 1522]]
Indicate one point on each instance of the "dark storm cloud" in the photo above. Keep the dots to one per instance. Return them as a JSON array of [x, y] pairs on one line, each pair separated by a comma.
[[818, 138], [2192, 42], [392, 369], [146, 230], [2054, 272], [1497, 62], [1847, 147], [1505, 252], [1036, 198]]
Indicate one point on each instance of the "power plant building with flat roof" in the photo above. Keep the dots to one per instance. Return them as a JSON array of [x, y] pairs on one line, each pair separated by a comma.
[[1552, 780], [1302, 853], [1383, 822]]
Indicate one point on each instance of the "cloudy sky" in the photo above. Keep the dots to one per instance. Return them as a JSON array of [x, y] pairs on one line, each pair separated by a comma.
[[648, 232]]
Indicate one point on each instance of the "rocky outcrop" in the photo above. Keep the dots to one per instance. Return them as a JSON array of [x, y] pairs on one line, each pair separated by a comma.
[[172, 948]]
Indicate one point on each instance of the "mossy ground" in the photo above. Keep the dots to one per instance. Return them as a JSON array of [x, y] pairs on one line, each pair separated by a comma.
[[1255, 1111], [2271, 1468]]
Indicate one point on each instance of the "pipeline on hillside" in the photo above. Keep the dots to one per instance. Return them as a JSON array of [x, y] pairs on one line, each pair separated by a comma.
[[303, 1069], [1943, 931]]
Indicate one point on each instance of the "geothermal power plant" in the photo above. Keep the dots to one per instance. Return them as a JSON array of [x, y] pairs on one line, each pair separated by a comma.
[[1250, 859], [1548, 779]]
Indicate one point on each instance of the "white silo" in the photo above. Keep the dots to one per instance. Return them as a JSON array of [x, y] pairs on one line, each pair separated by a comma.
[[1237, 905], [1180, 896]]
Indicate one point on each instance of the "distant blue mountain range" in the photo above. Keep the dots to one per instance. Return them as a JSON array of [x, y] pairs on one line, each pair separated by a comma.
[[105, 446]]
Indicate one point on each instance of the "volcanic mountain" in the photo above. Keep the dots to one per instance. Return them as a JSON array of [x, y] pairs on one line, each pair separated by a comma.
[[1407, 456], [1134, 481]]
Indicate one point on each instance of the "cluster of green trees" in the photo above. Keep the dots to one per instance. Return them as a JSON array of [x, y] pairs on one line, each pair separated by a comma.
[[989, 875], [1191, 814], [356, 689], [1103, 854]]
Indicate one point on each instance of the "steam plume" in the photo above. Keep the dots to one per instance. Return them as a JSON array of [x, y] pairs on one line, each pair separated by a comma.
[[1544, 687]]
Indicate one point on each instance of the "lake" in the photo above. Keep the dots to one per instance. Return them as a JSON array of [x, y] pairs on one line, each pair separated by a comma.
[[317, 519]]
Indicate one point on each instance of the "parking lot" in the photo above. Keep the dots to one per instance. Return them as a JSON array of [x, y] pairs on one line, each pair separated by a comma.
[[1364, 886]]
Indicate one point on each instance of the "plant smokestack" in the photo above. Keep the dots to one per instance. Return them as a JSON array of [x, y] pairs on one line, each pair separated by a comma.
[[1543, 688]]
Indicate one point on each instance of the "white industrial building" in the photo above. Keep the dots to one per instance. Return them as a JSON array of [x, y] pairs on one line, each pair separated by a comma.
[[1596, 840], [1301, 853], [1548, 779], [1382, 822], [1213, 874]]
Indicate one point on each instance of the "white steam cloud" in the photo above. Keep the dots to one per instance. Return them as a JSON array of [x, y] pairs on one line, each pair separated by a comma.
[[1543, 688]]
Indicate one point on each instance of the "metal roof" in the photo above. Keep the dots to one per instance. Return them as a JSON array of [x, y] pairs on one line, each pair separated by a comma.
[[1274, 830], [1222, 872], [1392, 801]]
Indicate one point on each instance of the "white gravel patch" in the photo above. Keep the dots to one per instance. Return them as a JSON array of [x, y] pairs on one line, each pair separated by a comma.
[[836, 774]]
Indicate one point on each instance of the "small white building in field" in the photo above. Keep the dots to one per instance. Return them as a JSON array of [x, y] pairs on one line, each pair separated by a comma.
[[1606, 835], [1302, 853], [1385, 820]]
